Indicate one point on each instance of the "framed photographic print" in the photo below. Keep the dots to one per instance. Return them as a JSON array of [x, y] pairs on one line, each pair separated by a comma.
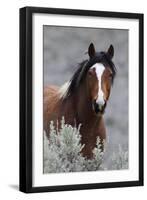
[[81, 99]]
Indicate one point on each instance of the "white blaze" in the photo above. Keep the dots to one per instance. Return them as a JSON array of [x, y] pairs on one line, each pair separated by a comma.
[[99, 72]]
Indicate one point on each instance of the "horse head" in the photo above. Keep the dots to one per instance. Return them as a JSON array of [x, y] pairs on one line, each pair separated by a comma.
[[100, 77]]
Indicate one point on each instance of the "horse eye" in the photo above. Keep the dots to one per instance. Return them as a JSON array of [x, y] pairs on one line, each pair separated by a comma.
[[90, 73]]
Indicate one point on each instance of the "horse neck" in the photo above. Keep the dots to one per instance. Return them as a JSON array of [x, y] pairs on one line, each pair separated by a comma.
[[83, 106], [80, 107]]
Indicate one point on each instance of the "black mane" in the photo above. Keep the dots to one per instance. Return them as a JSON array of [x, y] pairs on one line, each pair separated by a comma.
[[83, 67]]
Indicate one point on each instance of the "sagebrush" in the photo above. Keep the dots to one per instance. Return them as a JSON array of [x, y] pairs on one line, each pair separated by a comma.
[[62, 152]]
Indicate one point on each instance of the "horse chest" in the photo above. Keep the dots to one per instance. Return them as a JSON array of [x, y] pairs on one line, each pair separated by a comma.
[[90, 129]]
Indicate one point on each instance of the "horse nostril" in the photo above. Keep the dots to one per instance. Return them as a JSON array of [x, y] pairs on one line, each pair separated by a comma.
[[99, 108], [105, 104]]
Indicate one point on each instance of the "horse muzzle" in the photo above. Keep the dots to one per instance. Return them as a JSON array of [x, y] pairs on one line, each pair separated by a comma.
[[99, 108]]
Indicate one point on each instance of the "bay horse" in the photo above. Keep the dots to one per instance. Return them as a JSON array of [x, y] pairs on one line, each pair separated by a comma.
[[83, 99]]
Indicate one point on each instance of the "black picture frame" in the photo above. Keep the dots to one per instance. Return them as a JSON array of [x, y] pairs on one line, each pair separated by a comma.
[[26, 73]]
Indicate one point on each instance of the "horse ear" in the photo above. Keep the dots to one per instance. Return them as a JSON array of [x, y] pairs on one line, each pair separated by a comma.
[[91, 50], [110, 51]]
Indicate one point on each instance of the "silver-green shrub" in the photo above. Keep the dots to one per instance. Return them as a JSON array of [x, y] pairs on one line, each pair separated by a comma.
[[62, 152], [120, 160]]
